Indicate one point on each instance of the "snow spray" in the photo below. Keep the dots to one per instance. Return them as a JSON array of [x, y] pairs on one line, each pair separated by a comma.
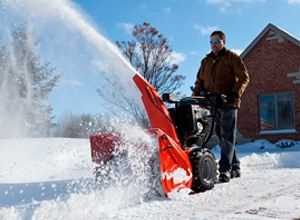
[[14, 102], [128, 185], [71, 44], [86, 60]]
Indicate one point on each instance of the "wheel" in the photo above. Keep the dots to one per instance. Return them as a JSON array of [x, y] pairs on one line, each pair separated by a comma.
[[204, 168]]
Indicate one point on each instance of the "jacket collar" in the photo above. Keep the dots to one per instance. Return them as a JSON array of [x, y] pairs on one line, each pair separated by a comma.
[[220, 54]]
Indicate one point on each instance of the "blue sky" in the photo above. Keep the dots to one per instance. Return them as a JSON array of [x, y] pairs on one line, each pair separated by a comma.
[[188, 23]]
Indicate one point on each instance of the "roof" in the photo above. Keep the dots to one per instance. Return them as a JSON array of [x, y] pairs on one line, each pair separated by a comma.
[[275, 29]]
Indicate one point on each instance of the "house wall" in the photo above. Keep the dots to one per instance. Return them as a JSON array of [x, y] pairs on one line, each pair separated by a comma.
[[268, 64]]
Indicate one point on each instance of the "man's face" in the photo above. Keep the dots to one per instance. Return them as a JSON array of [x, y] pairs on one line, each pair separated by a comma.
[[216, 43]]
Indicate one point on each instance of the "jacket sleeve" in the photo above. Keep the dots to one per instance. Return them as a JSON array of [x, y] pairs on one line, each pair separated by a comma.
[[199, 83], [241, 75]]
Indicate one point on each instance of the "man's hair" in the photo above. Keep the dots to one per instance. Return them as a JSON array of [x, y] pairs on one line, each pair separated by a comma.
[[219, 33]]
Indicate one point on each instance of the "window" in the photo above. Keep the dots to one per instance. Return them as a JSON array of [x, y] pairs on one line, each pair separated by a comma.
[[277, 111]]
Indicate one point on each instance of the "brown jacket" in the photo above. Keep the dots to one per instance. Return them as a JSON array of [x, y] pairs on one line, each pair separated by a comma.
[[225, 74]]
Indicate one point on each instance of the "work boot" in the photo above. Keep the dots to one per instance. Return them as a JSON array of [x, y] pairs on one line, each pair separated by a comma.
[[224, 177], [236, 173]]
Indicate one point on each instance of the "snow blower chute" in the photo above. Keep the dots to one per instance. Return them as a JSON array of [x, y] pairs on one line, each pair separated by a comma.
[[182, 133]]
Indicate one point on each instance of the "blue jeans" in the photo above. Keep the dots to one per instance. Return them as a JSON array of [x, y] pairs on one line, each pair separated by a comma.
[[226, 127]]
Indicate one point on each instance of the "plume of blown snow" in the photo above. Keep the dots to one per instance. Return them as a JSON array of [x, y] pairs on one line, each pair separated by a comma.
[[70, 43]]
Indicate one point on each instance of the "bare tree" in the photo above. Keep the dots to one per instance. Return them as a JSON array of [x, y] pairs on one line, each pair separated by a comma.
[[27, 82], [150, 53], [81, 125], [120, 101]]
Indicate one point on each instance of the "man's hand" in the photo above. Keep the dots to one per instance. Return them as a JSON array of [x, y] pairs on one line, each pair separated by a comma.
[[202, 93], [231, 97], [217, 99]]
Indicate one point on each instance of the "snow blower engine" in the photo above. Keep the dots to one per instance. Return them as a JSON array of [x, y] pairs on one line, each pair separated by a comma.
[[182, 132]]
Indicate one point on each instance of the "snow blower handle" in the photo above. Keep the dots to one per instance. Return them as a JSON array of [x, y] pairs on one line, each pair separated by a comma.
[[217, 100]]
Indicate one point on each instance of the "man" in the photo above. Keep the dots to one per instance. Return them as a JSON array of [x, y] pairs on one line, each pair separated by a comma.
[[223, 72]]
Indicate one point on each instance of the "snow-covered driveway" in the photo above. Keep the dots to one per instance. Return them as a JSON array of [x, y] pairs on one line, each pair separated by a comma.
[[39, 179]]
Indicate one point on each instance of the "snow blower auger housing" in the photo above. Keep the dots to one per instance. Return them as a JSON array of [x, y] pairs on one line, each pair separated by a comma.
[[182, 133]]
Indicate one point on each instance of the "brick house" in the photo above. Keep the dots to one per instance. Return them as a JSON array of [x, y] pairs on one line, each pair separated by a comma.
[[271, 105]]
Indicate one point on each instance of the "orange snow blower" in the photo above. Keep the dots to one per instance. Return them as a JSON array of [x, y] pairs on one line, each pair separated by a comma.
[[182, 133]]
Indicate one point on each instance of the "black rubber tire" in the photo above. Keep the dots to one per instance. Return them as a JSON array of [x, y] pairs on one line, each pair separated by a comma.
[[204, 168]]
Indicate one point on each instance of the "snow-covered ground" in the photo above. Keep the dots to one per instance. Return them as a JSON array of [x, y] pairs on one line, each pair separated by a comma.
[[52, 179]]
